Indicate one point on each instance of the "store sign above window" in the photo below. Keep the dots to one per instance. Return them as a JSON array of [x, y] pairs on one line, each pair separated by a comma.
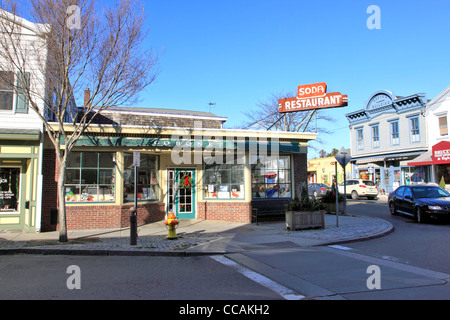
[[441, 153], [312, 96]]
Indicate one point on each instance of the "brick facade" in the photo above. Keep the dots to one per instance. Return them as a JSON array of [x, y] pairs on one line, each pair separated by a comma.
[[300, 166], [83, 217], [111, 216], [225, 211]]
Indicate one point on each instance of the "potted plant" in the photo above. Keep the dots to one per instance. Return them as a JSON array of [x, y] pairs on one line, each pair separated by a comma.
[[304, 213], [329, 202]]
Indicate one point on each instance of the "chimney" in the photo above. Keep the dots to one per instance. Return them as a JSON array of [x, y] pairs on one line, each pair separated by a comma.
[[87, 97]]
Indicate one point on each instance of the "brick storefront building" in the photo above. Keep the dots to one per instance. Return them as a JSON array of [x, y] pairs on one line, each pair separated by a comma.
[[188, 164]]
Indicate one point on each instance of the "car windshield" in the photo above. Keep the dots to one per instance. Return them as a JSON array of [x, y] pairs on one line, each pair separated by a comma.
[[430, 192], [369, 183]]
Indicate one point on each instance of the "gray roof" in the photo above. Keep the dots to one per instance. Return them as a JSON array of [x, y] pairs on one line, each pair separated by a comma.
[[173, 112]]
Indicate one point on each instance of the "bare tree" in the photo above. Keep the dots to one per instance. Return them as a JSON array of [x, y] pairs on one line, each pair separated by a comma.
[[266, 116], [79, 45]]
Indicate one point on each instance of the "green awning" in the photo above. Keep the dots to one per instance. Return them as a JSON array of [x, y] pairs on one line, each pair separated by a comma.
[[94, 141]]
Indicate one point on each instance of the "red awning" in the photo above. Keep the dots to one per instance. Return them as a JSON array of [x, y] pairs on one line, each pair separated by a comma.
[[440, 154]]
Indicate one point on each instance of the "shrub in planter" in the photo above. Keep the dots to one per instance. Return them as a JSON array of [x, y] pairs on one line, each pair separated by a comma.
[[304, 213], [329, 202], [305, 203]]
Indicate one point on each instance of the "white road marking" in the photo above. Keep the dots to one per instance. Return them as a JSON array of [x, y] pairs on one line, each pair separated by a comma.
[[283, 291], [340, 247]]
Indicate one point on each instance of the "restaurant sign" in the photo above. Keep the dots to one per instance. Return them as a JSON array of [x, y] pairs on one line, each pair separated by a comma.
[[441, 153], [312, 96]]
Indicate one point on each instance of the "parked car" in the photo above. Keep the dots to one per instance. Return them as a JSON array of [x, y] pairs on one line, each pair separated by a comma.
[[359, 187], [421, 202], [318, 189]]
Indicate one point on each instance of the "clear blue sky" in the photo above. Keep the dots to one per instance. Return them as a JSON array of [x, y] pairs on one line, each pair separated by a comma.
[[236, 53]]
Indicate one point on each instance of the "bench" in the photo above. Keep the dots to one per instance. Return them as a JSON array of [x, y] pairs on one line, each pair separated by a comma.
[[268, 210]]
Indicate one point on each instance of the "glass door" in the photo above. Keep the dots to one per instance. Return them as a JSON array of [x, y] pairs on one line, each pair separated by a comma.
[[181, 192]]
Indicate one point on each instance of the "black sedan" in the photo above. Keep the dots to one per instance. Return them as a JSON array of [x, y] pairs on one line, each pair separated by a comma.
[[420, 202]]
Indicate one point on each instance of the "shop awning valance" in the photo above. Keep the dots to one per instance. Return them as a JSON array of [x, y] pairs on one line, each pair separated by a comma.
[[369, 160], [94, 141]]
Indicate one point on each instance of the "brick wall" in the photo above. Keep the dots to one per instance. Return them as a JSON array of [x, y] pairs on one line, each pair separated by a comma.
[[83, 217], [50, 187], [111, 216], [225, 211], [300, 170]]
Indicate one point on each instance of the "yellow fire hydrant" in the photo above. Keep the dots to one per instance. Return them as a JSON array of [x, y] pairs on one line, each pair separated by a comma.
[[172, 224]]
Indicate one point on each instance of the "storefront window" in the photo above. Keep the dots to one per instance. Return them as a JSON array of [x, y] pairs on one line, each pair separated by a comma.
[[223, 181], [90, 176], [443, 172], [415, 175], [147, 178], [271, 177], [9, 190]]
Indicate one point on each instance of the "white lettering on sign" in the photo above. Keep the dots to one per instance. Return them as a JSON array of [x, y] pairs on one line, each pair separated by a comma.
[[442, 155], [313, 102], [318, 90]]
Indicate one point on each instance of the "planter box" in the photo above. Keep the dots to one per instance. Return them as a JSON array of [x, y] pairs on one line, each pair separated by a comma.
[[331, 207], [297, 220]]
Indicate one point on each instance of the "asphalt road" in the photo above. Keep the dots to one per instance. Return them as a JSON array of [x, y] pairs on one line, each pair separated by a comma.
[[423, 245], [413, 263]]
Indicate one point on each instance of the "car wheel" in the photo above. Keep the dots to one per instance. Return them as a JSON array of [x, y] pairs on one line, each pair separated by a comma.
[[355, 195], [392, 208], [420, 218]]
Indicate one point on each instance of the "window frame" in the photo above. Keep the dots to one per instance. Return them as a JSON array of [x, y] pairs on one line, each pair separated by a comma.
[[359, 138], [395, 141], [8, 88], [414, 137], [153, 189], [375, 138], [440, 127], [285, 187], [87, 197], [219, 190]]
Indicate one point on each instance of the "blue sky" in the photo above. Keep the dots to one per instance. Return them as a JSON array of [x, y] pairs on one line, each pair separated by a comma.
[[236, 53]]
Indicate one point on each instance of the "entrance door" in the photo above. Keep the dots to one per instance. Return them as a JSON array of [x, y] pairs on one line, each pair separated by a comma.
[[181, 195]]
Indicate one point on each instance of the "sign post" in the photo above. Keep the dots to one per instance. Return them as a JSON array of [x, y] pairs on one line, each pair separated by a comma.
[[133, 216], [343, 158]]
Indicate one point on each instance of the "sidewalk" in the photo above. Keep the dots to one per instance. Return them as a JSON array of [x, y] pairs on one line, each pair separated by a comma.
[[196, 237]]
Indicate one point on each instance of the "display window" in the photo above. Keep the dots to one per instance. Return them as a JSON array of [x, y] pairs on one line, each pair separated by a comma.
[[9, 190], [271, 177], [223, 181], [147, 178], [90, 177]]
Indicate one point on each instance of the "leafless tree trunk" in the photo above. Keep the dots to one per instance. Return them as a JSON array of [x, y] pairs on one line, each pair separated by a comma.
[[81, 44]]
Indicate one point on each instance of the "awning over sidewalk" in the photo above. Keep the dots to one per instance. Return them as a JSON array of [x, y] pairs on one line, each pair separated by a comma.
[[440, 154]]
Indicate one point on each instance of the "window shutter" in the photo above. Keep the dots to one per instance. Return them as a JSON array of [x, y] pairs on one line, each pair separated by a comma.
[[21, 97]]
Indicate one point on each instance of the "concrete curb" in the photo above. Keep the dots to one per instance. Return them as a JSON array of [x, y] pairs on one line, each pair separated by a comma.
[[108, 250]]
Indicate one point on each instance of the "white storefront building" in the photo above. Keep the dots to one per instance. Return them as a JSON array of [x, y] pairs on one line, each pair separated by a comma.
[[388, 133]]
